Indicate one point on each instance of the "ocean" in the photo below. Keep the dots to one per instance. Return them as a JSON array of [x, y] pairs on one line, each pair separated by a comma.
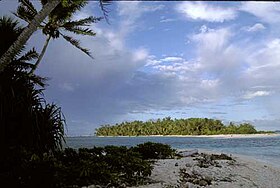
[[265, 149]]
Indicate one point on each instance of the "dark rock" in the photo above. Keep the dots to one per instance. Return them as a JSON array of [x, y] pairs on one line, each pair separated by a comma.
[[202, 182], [221, 157], [208, 179], [188, 153]]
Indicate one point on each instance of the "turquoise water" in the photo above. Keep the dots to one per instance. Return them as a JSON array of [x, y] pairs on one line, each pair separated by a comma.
[[266, 149]]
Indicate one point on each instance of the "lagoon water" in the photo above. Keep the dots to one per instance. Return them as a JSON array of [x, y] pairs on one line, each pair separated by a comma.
[[266, 149]]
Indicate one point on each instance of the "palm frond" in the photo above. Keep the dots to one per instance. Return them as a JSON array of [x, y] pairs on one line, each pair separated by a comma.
[[103, 5], [9, 32], [80, 31], [29, 5], [66, 9], [31, 54], [76, 43], [83, 22], [24, 13]]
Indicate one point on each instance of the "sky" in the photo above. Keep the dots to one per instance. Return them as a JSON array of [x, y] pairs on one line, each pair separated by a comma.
[[156, 59]]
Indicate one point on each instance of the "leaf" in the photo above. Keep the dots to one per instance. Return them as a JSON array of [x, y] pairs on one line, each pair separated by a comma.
[[24, 13], [83, 22], [31, 54], [103, 5], [29, 5], [80, 31], [65, 10], [76, 43]]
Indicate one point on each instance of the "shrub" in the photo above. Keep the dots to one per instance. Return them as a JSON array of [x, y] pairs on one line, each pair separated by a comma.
[[106, 166], [150, 150], [109, 166]]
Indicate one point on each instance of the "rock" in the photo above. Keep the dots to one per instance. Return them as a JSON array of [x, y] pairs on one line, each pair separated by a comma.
[[176, 164], [188, 153], [202, 183], [196, 181], [208, 179], [221, 157]]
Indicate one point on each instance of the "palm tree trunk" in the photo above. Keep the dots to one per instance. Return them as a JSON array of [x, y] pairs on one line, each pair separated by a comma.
[[41, 55], [7, 57]]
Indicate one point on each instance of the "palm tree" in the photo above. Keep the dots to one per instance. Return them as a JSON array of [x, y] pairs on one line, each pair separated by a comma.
[[49, 6], [17, 45], [59, 20]]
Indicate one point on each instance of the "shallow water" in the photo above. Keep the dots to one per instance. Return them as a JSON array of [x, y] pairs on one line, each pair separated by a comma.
[[266, 149]]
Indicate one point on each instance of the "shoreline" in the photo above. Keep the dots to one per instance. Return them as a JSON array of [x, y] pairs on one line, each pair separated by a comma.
[[209, 136], [242, 172]]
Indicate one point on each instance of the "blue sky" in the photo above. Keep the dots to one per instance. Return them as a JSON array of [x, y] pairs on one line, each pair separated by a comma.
[[178, 59]]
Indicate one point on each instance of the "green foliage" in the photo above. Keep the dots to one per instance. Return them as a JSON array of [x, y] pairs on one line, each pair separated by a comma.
[[60, 19], [30, 128], [25, 118], [23, 168], [150, 150], [168, 126], [109, 166], [9, 30]]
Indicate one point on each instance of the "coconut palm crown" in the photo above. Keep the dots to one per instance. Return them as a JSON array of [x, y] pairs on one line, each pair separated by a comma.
[[60, 21]]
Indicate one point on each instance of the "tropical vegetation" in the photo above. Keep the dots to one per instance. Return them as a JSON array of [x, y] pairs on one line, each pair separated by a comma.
[[168, 126], [59, 20], [109, 166], [26, 33], [26, 120], [34, 24]]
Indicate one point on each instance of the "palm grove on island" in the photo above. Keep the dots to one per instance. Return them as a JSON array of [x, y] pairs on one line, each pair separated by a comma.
[[168, 126], [32, 129]]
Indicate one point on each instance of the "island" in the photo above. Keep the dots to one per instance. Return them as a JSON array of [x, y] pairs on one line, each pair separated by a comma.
[[175, 127]]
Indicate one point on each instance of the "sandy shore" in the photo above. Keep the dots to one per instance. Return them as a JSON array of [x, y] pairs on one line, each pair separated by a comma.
[[240, 172], [210, 136]]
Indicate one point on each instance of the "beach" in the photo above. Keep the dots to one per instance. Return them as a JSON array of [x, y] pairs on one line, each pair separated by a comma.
[[242, 171], [210, 136]]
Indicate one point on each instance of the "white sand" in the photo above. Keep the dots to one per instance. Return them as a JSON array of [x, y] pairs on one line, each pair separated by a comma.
[[210, 136], [244, 172]]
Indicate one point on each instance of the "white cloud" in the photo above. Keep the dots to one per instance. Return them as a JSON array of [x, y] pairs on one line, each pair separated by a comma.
[[129, 9], [265, 62], [140, 54], [218, 38], [206, 11], [250, 95], [216, 53], [172, 59], [203, 29], [165, 20], [152, 61], [115, 39], [267, 11], [256, 27], [131, 12], [209, 83], [178, 68]]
